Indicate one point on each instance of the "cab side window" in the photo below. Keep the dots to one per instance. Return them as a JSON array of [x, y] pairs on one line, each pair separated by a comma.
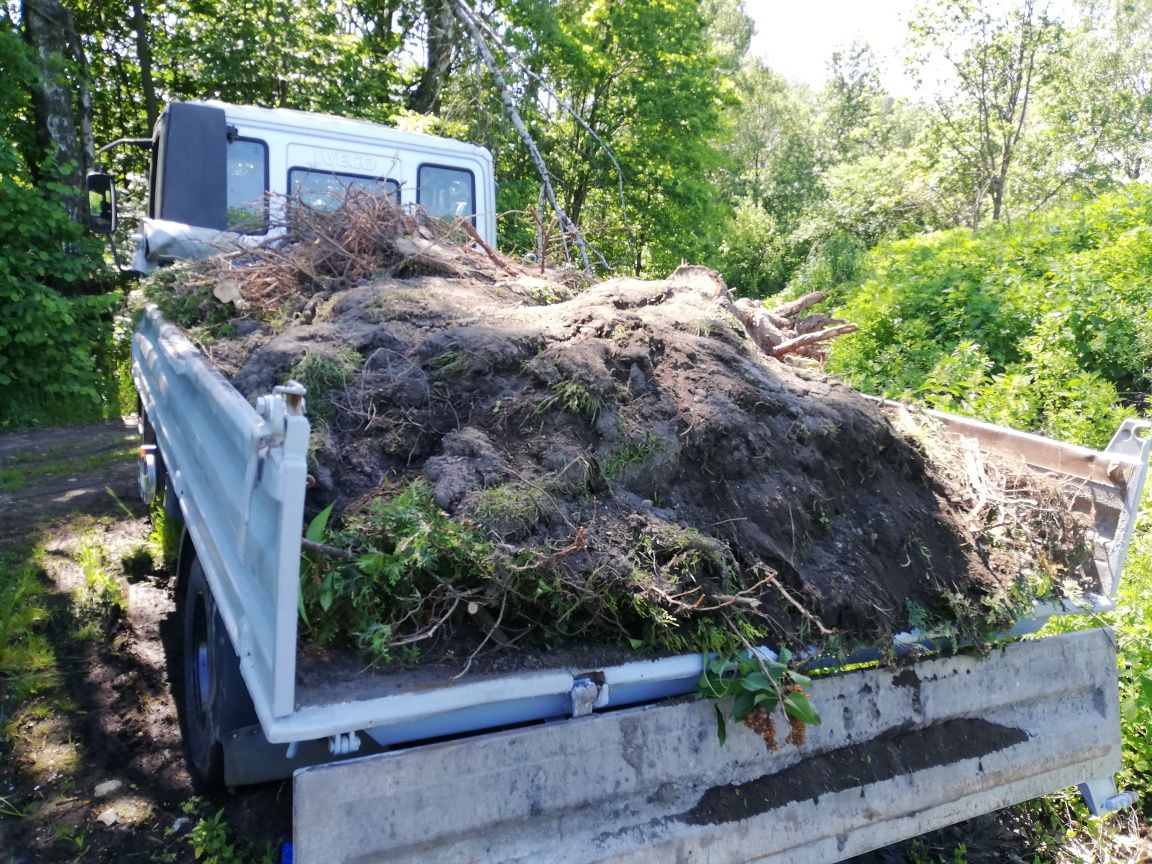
[[325, 190], [247, 185], [446, 192]]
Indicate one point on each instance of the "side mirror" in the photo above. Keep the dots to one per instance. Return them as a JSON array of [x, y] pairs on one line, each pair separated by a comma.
[[100, 201]]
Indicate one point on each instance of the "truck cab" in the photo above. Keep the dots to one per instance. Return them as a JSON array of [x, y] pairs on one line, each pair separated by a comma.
[[225, 175]]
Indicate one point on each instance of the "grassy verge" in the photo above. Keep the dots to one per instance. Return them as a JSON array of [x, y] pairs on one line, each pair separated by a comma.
[[53, 628], [27, 661], [26, 468]]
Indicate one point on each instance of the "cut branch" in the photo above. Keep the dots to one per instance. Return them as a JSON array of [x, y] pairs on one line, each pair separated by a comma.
[[793, 345], [791, 310]]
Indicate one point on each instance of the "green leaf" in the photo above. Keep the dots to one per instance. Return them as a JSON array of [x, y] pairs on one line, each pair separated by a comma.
[[742, 705], [300, 609], [721, 726], [318, 527], [797, 678], [798, 707], [757, 682], [766, 698]]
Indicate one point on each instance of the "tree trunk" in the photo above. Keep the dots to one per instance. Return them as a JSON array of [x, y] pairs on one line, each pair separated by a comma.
[[443, 35], [144, 58], [49, 29]]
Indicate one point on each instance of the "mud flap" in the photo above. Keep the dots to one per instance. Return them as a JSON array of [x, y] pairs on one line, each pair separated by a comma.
[[899, 753]]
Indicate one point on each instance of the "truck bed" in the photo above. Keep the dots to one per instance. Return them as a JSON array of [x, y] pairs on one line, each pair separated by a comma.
[[239, 474], [595, 755], [898, 754]]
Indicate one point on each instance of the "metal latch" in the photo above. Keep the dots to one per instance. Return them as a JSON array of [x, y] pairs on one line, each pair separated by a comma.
[[588, 694], [1101, 796]]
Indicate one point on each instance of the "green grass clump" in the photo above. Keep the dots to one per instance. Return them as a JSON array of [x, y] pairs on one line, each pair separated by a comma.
[[323, 376], [27, 661], [101, 600], [631, 452]]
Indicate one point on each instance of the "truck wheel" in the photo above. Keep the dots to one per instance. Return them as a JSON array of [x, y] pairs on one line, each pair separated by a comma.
[[215, 699]]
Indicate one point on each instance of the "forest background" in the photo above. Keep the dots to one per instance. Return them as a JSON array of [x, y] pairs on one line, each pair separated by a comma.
[[991, 233]]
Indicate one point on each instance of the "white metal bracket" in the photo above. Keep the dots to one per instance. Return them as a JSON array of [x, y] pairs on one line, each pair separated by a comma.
[[344, 744]]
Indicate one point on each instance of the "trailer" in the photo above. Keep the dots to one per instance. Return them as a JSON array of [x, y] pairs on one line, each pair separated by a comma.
[[581, 763]]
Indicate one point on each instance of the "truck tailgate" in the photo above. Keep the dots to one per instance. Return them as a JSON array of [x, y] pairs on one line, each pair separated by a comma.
[[900, 752]]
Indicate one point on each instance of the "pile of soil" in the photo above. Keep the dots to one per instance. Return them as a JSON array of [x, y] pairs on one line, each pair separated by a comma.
[[632, 441]]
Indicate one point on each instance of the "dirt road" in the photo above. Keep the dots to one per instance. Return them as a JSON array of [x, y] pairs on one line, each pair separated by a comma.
[[92, 766]]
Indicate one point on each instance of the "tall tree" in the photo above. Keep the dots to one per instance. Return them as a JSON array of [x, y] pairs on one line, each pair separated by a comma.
[[993, 67], [1107, 100], [441, 42], [142, 27], [60, 103], [850, 97], [624, 101], [775, 145]]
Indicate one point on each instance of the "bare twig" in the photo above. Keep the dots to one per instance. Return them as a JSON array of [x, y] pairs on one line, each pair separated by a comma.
[[468, 17]]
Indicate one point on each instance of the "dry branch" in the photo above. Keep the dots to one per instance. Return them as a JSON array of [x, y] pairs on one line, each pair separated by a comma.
[[487, 250], [467, 17], [803, 341], [791, 310]]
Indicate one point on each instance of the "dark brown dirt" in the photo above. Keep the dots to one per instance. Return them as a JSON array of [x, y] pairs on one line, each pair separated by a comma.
[[53, 474], [899, 752], [643, 427]]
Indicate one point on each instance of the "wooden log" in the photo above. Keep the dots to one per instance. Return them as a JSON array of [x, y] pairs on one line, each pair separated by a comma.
[[791, 310], [815, 321], [792, 345], [758, 324]]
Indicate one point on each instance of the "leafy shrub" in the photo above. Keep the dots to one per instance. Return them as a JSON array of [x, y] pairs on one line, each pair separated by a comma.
[[54, 347], [59, 355], [831, 261], [1133, 624], [1044, 324], [755, 259]]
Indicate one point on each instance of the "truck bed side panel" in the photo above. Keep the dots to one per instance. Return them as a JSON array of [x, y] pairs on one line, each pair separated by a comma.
[[899, 753]]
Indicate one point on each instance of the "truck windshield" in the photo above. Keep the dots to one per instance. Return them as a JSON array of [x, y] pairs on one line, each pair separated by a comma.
[[325, 190], [446, 192], [247, 182]]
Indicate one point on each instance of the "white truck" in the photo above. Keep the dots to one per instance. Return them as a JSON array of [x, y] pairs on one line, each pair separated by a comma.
[[618, 763]]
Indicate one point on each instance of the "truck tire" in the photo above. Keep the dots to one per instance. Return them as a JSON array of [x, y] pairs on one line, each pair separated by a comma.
[[215, 699]]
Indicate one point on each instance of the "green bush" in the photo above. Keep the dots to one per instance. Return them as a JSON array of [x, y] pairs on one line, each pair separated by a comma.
[[1132, 621], [60, 358], [1042, 325], [755, 258], [1045, 324], [58, 348]]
